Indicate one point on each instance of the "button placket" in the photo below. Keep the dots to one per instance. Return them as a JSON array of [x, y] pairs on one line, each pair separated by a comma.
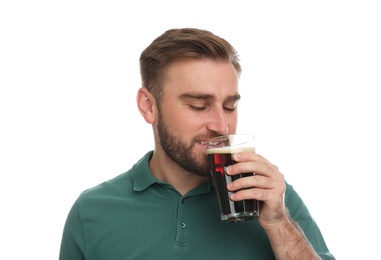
[[181, 224]]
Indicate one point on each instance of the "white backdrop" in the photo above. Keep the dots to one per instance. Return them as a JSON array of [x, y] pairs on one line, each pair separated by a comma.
[[69, 73]]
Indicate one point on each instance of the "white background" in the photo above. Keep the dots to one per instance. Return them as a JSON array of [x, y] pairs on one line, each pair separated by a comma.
[[69, 74]]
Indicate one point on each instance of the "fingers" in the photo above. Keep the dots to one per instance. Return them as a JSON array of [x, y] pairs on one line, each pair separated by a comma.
[[266, 185], [258, 194], [256, 181], [250, 162]]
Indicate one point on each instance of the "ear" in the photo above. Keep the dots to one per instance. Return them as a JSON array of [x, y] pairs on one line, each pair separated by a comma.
[[146, 105]]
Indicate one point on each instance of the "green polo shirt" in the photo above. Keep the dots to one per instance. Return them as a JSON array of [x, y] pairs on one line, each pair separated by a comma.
[[135, 216]]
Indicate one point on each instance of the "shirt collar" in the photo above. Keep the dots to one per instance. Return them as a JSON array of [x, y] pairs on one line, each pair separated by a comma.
[[141, 175]]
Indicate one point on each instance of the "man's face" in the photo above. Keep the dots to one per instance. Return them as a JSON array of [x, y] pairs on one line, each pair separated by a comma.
[[199, 102]]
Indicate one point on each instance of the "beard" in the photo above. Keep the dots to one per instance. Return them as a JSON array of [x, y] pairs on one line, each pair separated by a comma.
[[181, 152]]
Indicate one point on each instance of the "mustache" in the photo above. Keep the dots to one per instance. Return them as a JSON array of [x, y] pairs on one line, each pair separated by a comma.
[[206, 137]]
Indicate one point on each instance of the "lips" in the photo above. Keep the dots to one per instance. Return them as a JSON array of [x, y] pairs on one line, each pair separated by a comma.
[[203, 139]]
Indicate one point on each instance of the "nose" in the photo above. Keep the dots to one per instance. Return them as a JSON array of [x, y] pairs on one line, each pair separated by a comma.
[[218, 122]]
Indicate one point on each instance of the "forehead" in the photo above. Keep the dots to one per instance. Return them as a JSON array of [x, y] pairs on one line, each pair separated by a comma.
[[202, 76]]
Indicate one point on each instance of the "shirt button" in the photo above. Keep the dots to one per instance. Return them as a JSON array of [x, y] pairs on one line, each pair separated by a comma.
[[183, 225]]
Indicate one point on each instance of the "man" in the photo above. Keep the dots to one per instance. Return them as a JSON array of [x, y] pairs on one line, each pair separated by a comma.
[[165, 206]]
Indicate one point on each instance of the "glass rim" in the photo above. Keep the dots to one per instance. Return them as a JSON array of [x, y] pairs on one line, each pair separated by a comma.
[[228, 137]]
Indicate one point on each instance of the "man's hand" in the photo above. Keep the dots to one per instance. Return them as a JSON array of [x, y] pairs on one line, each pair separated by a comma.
[[267, 186]]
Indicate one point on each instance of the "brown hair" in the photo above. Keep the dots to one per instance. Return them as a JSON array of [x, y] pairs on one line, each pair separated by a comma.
[[180, 44]]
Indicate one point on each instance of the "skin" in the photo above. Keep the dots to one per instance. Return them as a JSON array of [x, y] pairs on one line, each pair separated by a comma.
[[200, 102]]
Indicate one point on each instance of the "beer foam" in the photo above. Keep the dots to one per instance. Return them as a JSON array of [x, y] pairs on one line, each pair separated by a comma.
[[227, 149]]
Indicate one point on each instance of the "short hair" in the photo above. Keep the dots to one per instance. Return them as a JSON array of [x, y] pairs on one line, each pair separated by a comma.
[[181, 44]]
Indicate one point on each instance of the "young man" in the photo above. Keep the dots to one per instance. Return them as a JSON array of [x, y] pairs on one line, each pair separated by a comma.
[[165, 206]]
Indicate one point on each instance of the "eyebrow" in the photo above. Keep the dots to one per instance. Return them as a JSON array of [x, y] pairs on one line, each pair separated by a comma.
[[191, 95]]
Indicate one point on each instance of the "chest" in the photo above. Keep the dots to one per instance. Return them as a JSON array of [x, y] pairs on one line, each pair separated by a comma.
[[170, 228]]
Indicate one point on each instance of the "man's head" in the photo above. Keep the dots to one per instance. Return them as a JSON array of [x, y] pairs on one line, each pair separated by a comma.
[[181, 44], [189, 94]]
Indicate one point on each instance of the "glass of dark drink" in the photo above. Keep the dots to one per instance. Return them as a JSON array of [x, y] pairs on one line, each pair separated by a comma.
[[220, 153]]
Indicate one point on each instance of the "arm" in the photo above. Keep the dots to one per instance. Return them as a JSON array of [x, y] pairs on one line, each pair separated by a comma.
[[72, 244], [268, 185], [289, 242]]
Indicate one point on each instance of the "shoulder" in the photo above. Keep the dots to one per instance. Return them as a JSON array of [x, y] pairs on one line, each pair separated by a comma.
[[117, 186]]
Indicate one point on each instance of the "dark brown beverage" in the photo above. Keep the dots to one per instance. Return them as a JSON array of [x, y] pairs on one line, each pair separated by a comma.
[[231, 211]]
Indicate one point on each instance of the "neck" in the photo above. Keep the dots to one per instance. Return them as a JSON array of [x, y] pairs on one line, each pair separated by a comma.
[[165, 169]]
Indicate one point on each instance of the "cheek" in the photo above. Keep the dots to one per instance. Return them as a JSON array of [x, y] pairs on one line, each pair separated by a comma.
[[177, 119], [189, 122], [232, 122]]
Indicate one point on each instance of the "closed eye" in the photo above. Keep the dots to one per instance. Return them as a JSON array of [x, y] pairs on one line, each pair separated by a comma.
[[230, 109], [231, 105], [197, 108]]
